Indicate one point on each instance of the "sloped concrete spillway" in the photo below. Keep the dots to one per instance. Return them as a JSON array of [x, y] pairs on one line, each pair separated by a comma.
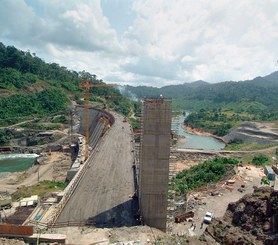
[[103, 196], [96, 129], [96, 126]]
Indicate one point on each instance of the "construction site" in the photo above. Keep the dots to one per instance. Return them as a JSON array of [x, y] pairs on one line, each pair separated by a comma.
[[118, 183], [112, 180]]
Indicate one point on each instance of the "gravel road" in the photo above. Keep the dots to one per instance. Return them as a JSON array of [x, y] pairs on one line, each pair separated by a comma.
[[104, 193]]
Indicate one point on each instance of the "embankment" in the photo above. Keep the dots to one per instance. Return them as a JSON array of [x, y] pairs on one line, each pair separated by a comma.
[[259, 132]]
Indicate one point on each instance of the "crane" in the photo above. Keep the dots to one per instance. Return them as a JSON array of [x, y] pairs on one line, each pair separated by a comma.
[[87, 87]]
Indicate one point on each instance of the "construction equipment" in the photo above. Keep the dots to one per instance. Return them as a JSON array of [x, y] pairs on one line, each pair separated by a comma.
[[107, 123], [87, 87]]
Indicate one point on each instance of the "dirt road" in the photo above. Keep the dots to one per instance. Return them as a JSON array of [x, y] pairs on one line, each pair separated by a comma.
[[104, 193]]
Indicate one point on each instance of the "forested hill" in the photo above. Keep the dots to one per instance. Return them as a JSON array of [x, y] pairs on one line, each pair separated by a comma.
[[30, 87], [254, 95]]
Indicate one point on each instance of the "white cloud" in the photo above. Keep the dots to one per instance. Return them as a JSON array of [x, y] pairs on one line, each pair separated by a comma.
[[168, 41], [76, 25], [209, 40], [74, 34], [81, 25], [18, 21]]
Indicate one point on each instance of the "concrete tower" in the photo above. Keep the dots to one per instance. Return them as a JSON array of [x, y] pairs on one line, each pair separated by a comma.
[[154, 161]]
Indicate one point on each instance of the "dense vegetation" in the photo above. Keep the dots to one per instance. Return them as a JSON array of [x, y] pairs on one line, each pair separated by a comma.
[[32, 88], [218, 121], [37, 104], [218, 107], [260, 159], [251, 96], [209, 171]]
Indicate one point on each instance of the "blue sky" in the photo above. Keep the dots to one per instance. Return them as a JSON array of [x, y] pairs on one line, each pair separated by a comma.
[[119, 13], [148, 42]]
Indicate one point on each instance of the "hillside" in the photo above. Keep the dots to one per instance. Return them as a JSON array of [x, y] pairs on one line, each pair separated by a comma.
[[38, 96], [255, 95], [30, 87]]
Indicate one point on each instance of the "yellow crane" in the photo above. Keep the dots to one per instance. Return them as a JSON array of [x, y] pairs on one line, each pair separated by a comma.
[[87, 87]]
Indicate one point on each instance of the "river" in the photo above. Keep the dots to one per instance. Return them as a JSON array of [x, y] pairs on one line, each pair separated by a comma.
[[194, 141], [16, 162]]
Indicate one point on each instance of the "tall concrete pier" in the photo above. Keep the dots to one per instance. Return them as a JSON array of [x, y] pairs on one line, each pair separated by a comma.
[[154, 161]]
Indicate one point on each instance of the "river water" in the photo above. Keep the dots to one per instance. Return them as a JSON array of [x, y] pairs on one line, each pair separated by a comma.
[[16, 162], [194, 141]]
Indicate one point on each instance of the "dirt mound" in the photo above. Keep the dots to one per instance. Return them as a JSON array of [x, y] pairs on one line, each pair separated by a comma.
[[263, 133], [251, 220]]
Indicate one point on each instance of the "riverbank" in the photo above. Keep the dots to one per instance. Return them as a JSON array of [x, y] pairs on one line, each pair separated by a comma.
[[195, 131], [188, 138], [190, 130]]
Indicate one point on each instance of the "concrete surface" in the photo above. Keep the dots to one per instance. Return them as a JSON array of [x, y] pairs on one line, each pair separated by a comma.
[[104, 194]]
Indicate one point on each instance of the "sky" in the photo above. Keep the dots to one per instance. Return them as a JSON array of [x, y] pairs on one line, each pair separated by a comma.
[[148, 42]]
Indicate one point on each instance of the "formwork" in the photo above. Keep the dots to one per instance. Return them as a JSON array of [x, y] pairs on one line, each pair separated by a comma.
[[154, 161]]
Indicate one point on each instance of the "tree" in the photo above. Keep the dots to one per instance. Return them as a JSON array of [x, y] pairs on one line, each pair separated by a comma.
[[260, 159]]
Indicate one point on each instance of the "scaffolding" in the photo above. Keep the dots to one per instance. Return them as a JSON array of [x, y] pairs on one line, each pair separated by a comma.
[[154, 161]]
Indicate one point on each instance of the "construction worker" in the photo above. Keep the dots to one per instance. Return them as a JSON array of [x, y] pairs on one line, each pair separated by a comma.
[[194, 227]]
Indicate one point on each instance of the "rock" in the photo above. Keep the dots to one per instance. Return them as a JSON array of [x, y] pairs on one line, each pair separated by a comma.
[[251, 220]]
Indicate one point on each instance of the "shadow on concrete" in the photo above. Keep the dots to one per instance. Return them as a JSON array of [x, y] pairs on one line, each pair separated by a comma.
[[125, 214]]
